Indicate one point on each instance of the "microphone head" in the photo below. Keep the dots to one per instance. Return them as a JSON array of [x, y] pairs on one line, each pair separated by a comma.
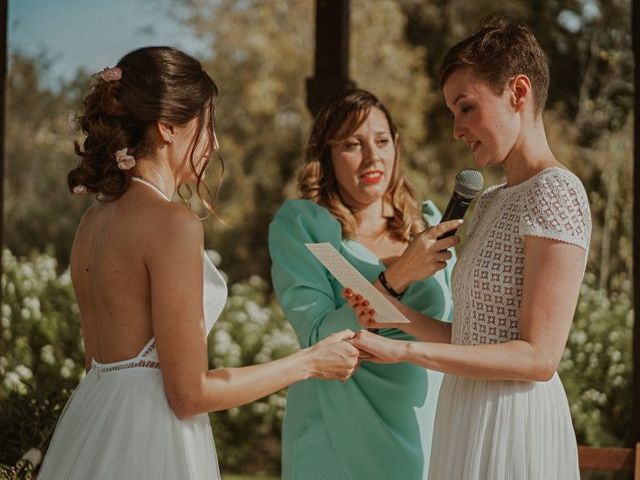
[[468, 183]]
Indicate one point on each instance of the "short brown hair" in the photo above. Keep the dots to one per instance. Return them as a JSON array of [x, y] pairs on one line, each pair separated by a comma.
[[497, 51], [317, 182], [157, 84]]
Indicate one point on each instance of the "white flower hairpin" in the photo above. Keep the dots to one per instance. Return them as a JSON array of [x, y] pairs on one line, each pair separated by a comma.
[[80, 190], [109, 74], [124, 160]]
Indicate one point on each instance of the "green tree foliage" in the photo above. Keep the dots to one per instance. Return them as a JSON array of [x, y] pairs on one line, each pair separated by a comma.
[[261, 54], [40, 214]]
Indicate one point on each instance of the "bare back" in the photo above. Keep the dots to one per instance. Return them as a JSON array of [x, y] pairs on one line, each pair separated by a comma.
[[109, 276]]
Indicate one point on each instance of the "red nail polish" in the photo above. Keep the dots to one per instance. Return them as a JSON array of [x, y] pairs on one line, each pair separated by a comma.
[[364, 303]]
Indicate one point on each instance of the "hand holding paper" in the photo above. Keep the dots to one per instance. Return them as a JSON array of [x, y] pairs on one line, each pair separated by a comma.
[[349, 277]]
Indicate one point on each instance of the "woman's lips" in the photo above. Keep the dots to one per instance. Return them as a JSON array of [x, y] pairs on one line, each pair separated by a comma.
[[370, 178]]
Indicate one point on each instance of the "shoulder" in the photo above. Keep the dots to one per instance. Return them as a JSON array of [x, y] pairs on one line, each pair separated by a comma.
[[556, 182], [307, 216], [555, 205], [171, 226], [302, 208]]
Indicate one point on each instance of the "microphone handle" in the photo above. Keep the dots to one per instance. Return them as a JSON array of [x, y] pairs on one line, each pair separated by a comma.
[[455, 210]]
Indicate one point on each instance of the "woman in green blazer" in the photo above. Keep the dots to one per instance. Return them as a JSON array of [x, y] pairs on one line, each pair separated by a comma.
[[378, 424]]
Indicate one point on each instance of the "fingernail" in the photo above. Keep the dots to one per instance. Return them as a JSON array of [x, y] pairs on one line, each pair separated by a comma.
[[364, 303], [348, 291], [358, 297], [372, 312]]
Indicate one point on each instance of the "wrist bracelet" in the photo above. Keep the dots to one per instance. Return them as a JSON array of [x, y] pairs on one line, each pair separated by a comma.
[[387, 287]]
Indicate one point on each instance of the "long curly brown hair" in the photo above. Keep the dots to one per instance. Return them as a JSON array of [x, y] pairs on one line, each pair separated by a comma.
[[317, 182], [157, 84]]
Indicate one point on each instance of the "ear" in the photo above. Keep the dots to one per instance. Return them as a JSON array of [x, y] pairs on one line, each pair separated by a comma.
[[166, 131], [520, 92]]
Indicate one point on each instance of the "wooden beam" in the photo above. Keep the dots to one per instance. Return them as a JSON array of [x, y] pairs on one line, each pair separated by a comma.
[[607, 459], [635, 15], [331, 55]]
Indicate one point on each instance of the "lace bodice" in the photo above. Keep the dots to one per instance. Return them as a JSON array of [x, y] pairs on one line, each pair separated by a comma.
[[488, 277]]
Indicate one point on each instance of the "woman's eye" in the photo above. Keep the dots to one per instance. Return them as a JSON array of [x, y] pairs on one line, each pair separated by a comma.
[[352, 145], [466, 109], [383, 141]]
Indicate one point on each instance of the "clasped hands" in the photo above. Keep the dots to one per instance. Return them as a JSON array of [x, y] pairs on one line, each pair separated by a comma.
[[341, 353]]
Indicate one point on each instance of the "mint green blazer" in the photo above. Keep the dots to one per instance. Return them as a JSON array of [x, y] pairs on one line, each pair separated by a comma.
[[377, 425]]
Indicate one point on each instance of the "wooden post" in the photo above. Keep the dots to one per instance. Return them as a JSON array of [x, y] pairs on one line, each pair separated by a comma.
[[635, 15], [332, 53], [3, 87]]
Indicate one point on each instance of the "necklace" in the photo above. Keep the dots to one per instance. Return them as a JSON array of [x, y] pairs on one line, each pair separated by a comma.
[[151, 186]]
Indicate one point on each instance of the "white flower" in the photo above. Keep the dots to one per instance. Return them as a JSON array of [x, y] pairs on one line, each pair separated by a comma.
[[215, 257], [65, 372], [260, 407], [6, 322], [124, 160], [12, 382], [80, 190], [24, 371], [34, 456], [579, 337], [47, 356]]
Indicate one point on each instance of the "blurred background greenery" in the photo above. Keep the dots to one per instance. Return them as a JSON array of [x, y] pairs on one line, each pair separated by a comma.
[[260, 53]]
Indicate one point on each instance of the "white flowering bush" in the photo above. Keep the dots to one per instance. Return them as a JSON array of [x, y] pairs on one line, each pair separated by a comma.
[[41, 357], [596, 368]]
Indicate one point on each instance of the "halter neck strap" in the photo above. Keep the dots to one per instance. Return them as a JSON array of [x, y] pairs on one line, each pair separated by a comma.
[[151, 186]]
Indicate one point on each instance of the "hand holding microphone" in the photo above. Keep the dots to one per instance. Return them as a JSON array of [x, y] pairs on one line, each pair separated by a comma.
[[428, 252]]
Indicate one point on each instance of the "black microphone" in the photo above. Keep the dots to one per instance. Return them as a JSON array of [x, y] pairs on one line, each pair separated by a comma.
[[468, 185]]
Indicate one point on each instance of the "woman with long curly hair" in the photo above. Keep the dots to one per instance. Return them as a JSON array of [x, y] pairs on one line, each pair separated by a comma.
[[356, 196]]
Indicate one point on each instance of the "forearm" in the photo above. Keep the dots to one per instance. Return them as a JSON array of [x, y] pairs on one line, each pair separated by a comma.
[[224, 388], [515, 360], [422, 327]]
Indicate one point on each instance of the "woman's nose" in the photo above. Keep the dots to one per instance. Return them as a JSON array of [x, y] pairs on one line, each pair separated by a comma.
[[458, 131]]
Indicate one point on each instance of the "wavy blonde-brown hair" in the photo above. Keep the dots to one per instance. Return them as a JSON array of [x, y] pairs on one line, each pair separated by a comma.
[[317, 182]]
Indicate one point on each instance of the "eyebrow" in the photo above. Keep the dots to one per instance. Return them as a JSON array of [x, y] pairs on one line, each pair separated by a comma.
[[462, 95]]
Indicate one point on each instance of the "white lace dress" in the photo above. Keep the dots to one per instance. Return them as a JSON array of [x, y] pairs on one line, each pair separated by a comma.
[[118, 423], [507, 430]]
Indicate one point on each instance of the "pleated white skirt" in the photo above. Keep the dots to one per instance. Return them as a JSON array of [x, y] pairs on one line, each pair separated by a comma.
[[503, 430], [119, 425]]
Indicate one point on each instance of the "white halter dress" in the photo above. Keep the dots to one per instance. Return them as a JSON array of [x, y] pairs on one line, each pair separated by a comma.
[[118, 423]]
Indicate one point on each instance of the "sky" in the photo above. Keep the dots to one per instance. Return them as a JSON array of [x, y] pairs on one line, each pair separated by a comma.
[[93, 34]]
